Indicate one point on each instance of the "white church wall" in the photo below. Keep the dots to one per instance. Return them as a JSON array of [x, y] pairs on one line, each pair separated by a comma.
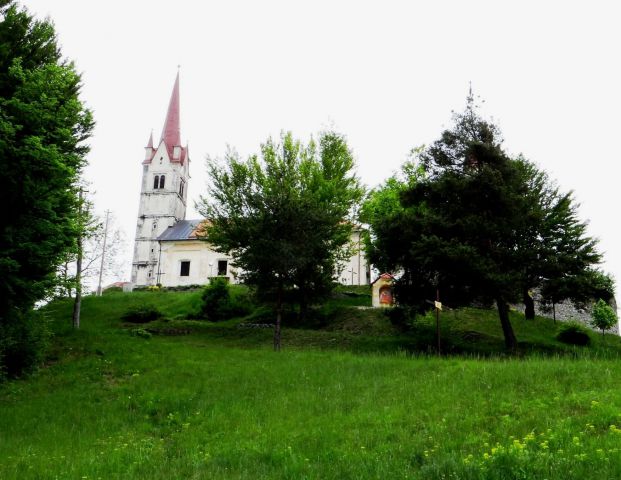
[[159, 208], [355, 270], [203, 263]]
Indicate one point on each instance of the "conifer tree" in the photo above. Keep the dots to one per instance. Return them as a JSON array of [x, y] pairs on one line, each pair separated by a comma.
[[479, 225], [43, 127]]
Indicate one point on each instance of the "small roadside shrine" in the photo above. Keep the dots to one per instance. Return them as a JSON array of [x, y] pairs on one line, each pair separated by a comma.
[[382, 291]]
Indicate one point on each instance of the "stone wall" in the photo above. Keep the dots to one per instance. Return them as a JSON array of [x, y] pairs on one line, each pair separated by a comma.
[[566, 311]]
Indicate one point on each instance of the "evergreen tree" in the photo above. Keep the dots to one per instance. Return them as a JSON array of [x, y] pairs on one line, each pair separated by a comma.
[[482, 226], [43, 127]]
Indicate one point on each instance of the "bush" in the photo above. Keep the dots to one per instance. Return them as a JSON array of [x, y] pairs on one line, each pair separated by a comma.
[[23, 342], [110, 290], [218, 304], [604, 317], [400, 316], [140, 332], [141, 314], [573, 333]]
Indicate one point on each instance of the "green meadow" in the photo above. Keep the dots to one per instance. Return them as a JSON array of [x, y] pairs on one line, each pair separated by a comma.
[[351, 397]]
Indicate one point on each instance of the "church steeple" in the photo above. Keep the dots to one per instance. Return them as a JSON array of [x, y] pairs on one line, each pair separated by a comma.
[[171, 133], [163, 195]]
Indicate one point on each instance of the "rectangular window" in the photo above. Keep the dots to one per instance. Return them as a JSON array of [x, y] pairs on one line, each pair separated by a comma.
[[222, 264], [185, 268]]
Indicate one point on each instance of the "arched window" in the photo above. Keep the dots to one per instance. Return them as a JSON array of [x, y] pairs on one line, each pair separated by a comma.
[[162, 180], [156, 181]]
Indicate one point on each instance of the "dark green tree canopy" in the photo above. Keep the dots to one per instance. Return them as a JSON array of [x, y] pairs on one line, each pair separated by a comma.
[[480, 225], [43, 128]]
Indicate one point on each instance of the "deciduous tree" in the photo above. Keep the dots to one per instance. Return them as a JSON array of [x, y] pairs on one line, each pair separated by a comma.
[[284, 216], [603, 316]]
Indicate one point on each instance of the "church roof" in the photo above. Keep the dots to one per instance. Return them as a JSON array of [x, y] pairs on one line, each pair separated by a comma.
[[182, 230], [384, 276], [171, 133]]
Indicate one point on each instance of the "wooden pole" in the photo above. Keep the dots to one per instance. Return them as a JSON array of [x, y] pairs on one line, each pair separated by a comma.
[[438, 321]]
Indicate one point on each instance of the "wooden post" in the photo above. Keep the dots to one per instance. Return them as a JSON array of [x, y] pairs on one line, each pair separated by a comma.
[[438, 321], [278, 317]]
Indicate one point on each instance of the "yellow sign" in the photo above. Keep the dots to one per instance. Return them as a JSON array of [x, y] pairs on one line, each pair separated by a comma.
[[438, 305]]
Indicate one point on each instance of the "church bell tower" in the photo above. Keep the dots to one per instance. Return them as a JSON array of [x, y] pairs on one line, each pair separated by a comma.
[[163, 194]]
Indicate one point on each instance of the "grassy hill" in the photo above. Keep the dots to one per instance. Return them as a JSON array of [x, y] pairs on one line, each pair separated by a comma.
[[353, 397]]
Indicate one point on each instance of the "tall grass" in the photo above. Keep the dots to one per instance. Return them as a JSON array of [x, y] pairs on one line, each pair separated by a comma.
[[115, 406]]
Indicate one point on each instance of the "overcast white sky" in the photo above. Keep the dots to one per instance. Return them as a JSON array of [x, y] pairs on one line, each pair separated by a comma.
[[386, 74]]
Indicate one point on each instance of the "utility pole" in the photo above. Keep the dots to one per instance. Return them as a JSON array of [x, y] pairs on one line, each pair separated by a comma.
[[103, 253], [77, 304]]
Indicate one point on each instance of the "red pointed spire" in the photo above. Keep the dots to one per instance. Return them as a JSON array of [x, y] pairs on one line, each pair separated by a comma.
[[171, 134]]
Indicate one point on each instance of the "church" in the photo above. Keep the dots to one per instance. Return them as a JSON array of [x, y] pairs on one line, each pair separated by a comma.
[[167, 250]]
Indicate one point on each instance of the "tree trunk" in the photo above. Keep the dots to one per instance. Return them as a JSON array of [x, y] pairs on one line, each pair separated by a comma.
[[529, 305], [278, 318], [67, 292], [77, 304], [303, 306], [554, 311], [507, 329]]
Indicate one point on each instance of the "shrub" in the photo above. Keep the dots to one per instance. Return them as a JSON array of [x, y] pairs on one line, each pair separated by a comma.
[[23, 342], [400, 316], [604, 317], [140, 332], [141, 314], [218, 304], [573, 333], [110, 290]]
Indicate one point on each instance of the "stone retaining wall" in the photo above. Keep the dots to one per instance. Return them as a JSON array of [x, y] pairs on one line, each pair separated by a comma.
[[566, 311]]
